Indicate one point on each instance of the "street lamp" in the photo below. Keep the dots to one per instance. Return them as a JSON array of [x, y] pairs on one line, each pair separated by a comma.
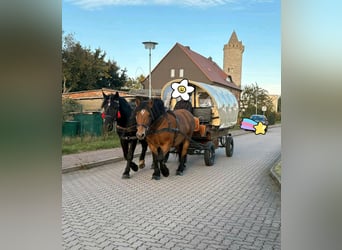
[[256, 99], [149, 45]]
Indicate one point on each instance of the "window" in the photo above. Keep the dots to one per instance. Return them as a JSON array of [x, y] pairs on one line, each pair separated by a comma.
[[172, 73], [181, 73]]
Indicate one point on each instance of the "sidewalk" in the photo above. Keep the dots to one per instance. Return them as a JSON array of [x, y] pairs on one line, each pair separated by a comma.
[[86, 160]]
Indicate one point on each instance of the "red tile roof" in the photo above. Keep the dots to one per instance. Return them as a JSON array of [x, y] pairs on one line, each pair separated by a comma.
[[92, 94], [214, 73]]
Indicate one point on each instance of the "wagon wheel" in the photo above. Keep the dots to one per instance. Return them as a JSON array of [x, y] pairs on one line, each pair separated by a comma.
[[209, 154], [229, 146]]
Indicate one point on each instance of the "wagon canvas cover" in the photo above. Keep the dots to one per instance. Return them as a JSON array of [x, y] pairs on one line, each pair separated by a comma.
[[223, 103]]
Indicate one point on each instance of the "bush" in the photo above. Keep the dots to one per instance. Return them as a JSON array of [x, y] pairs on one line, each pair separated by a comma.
[[271, 118], [70, 106]]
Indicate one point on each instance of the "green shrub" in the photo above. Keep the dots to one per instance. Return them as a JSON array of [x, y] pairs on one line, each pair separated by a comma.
[[70, 106]]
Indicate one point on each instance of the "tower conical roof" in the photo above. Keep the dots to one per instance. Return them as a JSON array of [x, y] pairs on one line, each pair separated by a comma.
[[233, 38]]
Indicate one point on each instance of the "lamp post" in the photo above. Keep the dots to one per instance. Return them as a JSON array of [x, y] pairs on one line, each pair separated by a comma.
[[256, 99], [150, 45]]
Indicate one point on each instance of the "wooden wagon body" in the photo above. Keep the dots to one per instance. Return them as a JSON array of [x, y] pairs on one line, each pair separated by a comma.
[[216, 112]]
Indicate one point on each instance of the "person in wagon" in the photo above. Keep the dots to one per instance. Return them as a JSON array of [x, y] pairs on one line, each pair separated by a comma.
[[183, 104]]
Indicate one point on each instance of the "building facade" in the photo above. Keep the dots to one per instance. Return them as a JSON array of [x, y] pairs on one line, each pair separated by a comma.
[[182, 62]]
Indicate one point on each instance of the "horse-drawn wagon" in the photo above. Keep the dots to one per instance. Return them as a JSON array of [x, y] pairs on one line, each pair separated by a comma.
[[215, 110]]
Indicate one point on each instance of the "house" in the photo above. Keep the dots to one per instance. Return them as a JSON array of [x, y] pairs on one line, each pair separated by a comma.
[[182, 62]]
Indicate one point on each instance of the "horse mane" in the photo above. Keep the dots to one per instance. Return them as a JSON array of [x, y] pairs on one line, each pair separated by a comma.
[[158, 108], [125, 107]]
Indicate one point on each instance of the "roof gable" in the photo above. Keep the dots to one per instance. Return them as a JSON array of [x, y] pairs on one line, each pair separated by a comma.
[[208, 67]]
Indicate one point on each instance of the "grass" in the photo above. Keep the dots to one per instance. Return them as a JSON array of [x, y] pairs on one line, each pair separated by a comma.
[[277, 170], [71, 145]]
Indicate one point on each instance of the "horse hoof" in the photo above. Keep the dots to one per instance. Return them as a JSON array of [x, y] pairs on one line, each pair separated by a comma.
[[155, 177], [179, 172], [134, 166], [165, 171], [141, 164], [125, 176]]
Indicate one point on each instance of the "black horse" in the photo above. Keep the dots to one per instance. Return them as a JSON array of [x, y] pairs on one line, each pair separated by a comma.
[[117, 109]]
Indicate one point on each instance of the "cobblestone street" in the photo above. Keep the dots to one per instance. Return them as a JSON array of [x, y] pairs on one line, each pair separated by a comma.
[[234, 204]]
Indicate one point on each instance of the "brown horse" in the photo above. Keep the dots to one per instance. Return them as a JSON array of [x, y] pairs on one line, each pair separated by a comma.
[[163, 130]]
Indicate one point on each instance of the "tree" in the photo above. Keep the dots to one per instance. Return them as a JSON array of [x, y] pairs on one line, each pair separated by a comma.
[[253, 98], [84, 69], [115, 78], [135, 83]]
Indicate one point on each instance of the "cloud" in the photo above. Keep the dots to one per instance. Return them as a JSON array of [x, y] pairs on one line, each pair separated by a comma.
[[97, 4]]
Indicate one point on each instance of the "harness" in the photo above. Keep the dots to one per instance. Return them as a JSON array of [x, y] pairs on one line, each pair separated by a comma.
[[176, 130], [155, 122]]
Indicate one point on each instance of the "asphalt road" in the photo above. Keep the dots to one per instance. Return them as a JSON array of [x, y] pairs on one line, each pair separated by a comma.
[[234, 204]]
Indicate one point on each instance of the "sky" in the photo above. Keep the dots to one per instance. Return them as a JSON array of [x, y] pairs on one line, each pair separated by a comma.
[[118, 27]]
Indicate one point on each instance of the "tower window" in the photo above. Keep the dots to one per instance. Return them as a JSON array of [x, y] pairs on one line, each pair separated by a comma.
[[172, 73], [181, 73]]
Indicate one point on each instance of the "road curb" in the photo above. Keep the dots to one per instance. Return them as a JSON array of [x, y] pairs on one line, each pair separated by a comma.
[[274, 175], [90, 165]]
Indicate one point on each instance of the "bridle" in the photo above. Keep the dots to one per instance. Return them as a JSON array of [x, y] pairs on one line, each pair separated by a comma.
[[151, 119], [110, 117]]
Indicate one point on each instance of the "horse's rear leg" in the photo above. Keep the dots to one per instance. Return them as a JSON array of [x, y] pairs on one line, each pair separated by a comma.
[[183, 150]]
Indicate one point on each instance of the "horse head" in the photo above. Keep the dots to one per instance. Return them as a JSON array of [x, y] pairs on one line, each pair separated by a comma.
[[111, 107], [146, 114], [143, 117]]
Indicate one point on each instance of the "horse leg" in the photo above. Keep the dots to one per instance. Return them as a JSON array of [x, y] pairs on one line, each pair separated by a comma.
[[130, 155], [128, 147], [183, 148], [143, 153], [156, 172], [164, 170], [125, 146]]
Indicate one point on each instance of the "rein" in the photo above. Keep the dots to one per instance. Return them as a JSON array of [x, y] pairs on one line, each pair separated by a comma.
[[128, 129]]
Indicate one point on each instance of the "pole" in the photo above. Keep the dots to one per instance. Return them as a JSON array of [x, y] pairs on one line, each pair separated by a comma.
[[149, 79], [150, 45], [256, 99], [256, 102]]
